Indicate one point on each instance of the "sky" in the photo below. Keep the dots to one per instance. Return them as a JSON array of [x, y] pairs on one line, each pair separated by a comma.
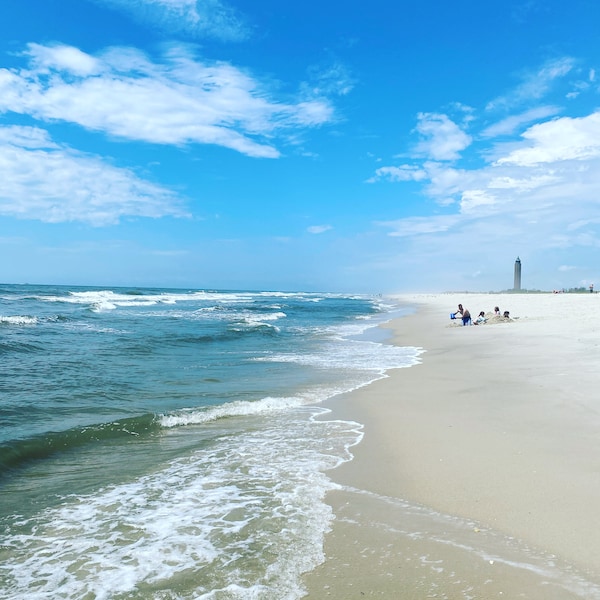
[[348, 147]]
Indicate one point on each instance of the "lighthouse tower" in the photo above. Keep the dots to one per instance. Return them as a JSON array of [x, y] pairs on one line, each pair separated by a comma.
[[517, 286]]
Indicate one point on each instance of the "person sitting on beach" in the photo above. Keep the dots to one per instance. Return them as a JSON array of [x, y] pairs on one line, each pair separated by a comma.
[[506, 314], [497, 311], [481, 319], [466, 316]]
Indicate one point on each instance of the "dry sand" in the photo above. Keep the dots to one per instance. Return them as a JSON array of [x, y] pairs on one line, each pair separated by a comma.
[[479, 472]]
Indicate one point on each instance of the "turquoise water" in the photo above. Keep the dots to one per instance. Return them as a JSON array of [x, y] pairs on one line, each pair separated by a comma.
[[171, 444]]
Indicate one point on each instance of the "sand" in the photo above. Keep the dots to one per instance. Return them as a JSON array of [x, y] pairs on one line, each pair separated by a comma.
[[479, 472]]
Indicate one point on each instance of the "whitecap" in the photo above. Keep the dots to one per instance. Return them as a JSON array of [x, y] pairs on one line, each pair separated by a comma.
[[238, 408], [18, 320]]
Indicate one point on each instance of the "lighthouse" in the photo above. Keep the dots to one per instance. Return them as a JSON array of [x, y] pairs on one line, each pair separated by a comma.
[[517, 286]]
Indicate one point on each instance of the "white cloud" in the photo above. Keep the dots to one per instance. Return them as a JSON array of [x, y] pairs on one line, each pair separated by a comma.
[[511, 124], [25, 137], [68, 59], [583, 85], [535, 85], [474, 199], [524, 184], [44, 181], [319, 228], [401, 173], [442, 139], [537, 197], [331, 79], [558, 140], [177, 101], [416, 226], [194, 18], [445, 183], [583, 223]]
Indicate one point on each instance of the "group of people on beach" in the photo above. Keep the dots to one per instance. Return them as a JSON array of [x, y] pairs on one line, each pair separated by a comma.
[[465, 315]]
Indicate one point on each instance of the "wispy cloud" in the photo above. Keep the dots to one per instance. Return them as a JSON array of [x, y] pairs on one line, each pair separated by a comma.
[[179, 100], [192, 18], [521, 12], [534, 85], [399, 173], [48, 182], [319, 228], [414, 226], [329, 80], [512, 124]]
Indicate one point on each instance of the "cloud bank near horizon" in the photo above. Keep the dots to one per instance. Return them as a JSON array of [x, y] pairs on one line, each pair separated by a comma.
[[530, 181]]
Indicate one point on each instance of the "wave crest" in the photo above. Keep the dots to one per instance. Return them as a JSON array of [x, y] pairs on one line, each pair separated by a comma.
[[18, 320], [239, 408]]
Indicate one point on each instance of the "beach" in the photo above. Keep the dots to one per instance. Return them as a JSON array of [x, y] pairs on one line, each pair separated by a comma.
[[478, 475], [220, 445]]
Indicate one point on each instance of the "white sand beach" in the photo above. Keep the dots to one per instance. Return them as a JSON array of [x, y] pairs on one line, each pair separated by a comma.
[[479, 472]]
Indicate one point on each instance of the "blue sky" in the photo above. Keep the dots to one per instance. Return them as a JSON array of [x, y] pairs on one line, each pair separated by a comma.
[[358, 147]]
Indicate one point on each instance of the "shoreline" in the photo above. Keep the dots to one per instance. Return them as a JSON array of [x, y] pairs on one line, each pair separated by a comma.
[[490, 444]]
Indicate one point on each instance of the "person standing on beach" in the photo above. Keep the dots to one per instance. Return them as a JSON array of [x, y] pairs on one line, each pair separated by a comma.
[[466, 316], [458, 312]]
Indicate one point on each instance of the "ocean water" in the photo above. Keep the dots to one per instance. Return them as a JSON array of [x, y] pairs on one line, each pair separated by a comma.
[[168, 444]]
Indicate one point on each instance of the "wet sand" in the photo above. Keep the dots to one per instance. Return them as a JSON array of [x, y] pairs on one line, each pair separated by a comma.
[[479, 472]]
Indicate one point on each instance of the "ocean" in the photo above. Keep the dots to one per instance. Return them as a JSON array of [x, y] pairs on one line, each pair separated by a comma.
[[164, 443]]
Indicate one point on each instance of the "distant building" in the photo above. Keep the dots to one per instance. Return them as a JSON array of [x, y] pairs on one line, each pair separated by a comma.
[[517, 274]]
